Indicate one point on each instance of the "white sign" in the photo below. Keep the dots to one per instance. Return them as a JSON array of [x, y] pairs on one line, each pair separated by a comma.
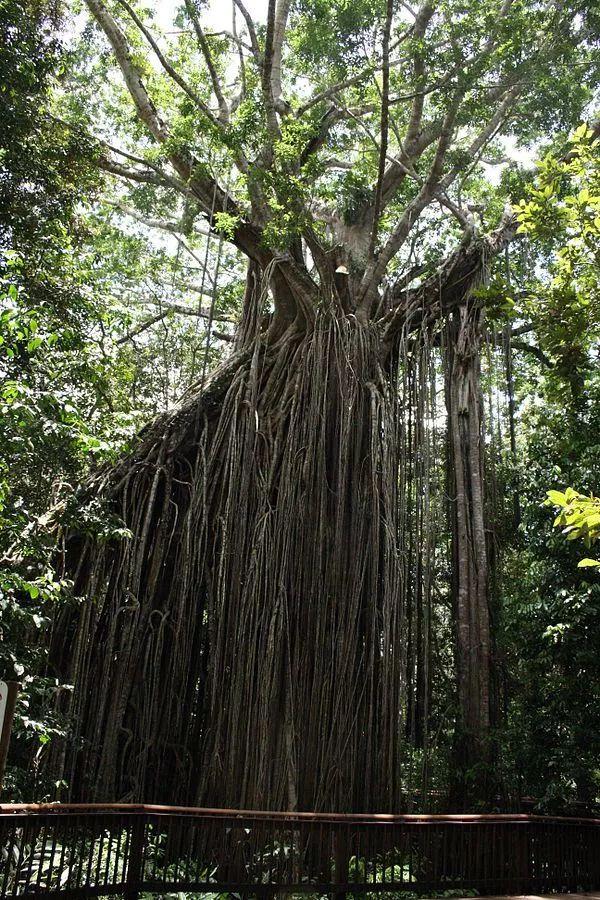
[[3, 699]]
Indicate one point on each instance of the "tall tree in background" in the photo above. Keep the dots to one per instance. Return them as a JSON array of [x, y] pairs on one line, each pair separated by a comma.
[[246, 647]]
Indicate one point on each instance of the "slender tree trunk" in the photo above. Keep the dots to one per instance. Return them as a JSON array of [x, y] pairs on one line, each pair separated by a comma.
[[470, 560]]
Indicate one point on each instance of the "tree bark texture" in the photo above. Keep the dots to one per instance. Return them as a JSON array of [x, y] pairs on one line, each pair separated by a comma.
[[470, 560]]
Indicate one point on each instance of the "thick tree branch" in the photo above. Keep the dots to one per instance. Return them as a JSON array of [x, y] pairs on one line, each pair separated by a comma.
[[140, 176], [414, 123], [384, 123], [417, 140], [498, 340], [401, 166], [486, 134], [170, 226], [251, 32], [411, 147], [448, 286], [142, 161], [281, 16], [267, 87], [444, 140], [335, 113], [377, 267], [532, 350]]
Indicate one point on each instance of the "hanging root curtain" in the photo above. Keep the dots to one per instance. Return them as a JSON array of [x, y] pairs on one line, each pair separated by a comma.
[[246, 647], [262, 638]]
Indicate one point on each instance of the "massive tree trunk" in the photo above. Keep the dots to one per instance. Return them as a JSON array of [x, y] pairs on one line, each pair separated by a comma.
[[470, 583]]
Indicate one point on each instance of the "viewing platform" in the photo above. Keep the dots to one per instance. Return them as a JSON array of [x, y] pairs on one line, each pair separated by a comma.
[[125, 850]]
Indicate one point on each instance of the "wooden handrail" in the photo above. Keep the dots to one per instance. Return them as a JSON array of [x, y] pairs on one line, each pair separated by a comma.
[[279, 816]]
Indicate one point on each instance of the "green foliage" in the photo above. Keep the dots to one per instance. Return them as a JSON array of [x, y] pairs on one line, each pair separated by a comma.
[[562, 214], [226, 224], [55, 413], [333, 30], [498, 303], [579, 518], [550, 639]]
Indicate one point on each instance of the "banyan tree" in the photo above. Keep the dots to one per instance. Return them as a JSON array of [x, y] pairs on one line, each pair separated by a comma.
[[260, 637]]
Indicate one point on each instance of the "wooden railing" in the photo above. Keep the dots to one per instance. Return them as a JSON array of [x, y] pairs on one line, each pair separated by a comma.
[[123, 850]]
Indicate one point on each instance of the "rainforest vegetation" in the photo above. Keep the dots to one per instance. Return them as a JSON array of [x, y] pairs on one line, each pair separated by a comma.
[[300, 402]]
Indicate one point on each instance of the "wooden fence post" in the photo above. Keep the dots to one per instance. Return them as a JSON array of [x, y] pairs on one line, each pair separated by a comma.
[[521, 867], [341, 861], [135, 860]]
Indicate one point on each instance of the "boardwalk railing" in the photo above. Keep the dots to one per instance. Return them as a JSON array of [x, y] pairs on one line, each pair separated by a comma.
[[124, 850]]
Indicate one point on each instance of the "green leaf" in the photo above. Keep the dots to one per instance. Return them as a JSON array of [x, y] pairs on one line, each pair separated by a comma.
[[556, 497]]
